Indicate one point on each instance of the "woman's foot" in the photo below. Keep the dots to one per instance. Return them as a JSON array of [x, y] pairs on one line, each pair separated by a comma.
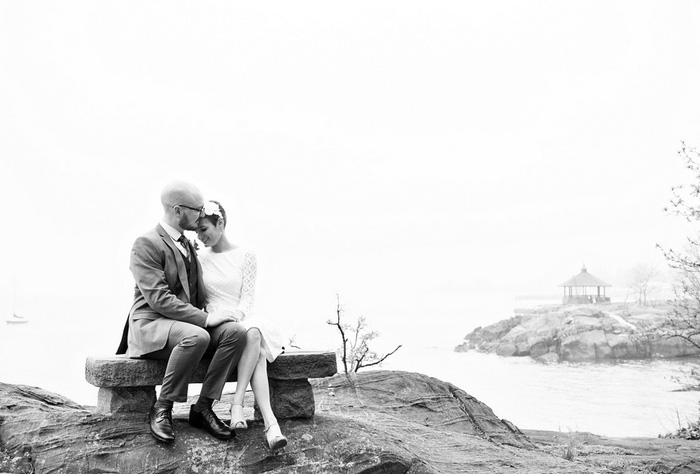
[[275, 438], [237, 419]]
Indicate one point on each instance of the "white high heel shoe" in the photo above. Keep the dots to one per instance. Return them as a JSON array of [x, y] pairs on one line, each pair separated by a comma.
[[237, 419], [275, 438]]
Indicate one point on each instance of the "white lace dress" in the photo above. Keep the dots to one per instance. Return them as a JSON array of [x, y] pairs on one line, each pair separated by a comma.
[[229, 278]]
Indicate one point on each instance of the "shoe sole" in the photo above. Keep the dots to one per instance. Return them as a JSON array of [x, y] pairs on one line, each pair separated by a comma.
[[162, 440], [279, 444], [202, 426]]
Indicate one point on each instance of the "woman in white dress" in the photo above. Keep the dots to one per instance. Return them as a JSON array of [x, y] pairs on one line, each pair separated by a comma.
[[229, 272]]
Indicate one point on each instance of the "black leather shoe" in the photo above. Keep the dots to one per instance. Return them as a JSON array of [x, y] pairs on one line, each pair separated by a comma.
[[161, 421], [207, 420]]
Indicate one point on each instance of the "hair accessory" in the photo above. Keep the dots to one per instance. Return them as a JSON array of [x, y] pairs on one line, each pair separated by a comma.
[[212, 209]]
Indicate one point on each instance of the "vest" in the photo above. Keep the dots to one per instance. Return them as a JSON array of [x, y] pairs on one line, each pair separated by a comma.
[[193, 277]]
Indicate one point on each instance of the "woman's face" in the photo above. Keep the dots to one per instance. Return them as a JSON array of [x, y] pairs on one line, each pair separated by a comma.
[[208, 233]]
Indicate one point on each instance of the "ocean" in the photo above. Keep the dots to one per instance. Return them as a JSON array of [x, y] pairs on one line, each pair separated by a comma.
[[636, 398]]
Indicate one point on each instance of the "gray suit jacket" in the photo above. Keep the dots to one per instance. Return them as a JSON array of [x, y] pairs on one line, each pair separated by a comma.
[[162, 292]]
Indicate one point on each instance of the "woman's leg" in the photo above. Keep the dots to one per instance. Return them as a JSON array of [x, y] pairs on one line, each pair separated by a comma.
[[246, 366], [261, 390]]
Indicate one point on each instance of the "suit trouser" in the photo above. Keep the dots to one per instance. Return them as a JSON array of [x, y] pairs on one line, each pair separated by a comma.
[[186, 346]]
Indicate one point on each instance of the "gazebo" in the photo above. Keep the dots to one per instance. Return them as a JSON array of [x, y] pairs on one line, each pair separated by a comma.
[[576, 289]]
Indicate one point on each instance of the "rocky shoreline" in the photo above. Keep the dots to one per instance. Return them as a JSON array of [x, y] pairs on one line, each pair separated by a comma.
[[577, 333], [380, 422], [621, 455]]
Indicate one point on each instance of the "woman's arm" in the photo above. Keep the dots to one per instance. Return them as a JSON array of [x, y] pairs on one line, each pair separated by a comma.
[[250, 270]]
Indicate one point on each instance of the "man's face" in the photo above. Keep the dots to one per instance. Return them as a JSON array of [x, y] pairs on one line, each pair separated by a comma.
[[189, 214]]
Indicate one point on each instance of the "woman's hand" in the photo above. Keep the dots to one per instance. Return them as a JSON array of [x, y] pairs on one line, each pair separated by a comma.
[[219, 317]]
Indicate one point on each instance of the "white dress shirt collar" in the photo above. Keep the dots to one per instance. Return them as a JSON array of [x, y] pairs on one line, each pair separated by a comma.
[[175, 235], [172, 232]]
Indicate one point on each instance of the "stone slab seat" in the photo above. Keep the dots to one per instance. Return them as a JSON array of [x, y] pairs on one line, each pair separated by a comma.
[[129, 385]]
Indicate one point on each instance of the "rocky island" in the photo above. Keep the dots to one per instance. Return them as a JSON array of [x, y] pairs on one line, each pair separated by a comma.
[[577, 333], [379, 422]]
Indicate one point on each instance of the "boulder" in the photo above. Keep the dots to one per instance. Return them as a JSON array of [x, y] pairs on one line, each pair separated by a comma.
[[548, 358], [539, 348], [375, 422], [585, 345]]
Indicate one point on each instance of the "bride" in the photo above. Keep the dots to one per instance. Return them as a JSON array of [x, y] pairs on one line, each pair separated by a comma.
[[229, 273]]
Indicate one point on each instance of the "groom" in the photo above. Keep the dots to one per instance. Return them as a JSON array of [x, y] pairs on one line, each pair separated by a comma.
[[167, 321]]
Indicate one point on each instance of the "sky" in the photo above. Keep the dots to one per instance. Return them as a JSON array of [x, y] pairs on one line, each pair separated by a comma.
[[375, 150]]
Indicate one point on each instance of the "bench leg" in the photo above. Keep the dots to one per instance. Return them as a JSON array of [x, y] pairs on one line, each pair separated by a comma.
[[126, 399], [290, 399]]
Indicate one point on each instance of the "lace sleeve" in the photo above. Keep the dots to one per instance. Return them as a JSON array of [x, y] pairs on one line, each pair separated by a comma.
[[250, 269]]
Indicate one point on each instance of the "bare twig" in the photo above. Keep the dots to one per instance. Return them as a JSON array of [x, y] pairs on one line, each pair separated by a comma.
[[356, 354], [684, 319], [379, 361], [292, 342], [337, 323]]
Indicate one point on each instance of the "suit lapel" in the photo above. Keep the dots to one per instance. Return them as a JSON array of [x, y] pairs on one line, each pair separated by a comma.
[[179, 260]]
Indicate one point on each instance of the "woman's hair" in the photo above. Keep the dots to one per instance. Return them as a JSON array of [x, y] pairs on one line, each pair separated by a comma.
[[213, 210]]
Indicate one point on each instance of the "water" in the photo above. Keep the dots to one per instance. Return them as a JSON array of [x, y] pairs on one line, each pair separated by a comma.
[[622, 399]]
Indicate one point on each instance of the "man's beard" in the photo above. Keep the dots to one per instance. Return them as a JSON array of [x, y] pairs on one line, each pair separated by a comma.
[[185, 224]]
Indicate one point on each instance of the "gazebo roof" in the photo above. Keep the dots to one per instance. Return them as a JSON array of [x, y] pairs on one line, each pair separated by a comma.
[[584, 279]]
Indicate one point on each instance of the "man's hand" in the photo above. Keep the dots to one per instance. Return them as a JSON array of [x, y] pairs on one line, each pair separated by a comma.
[[220, 317]]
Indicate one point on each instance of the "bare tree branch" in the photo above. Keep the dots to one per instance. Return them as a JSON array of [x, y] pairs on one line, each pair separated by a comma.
[[356, 354], [292, 342], [338, 311], [640, 280], [379, 361], [685, 203]]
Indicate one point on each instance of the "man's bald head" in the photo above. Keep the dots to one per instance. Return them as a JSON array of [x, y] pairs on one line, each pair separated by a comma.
[[181, 201], [181, 192]]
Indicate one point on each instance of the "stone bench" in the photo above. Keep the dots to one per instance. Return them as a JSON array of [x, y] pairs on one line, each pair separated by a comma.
[[129, 385]]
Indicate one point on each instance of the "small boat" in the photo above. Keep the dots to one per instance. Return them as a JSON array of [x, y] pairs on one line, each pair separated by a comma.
[[15, 319]]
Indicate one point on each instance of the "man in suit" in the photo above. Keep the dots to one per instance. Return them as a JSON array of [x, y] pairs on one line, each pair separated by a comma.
[[167, 320]]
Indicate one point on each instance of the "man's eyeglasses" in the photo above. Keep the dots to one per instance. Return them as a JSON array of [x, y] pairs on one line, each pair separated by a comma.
[[200, 210]]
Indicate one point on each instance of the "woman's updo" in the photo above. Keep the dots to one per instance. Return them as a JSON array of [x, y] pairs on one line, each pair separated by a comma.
[[213, 211]]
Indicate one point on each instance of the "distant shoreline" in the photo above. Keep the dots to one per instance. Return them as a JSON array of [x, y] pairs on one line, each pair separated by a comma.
[[538, 297]]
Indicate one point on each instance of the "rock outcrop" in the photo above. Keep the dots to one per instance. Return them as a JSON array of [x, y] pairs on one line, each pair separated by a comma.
[[580, 333], [383, 422]]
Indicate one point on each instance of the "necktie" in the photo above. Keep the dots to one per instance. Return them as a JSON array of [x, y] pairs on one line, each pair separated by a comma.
[[183, 241]]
